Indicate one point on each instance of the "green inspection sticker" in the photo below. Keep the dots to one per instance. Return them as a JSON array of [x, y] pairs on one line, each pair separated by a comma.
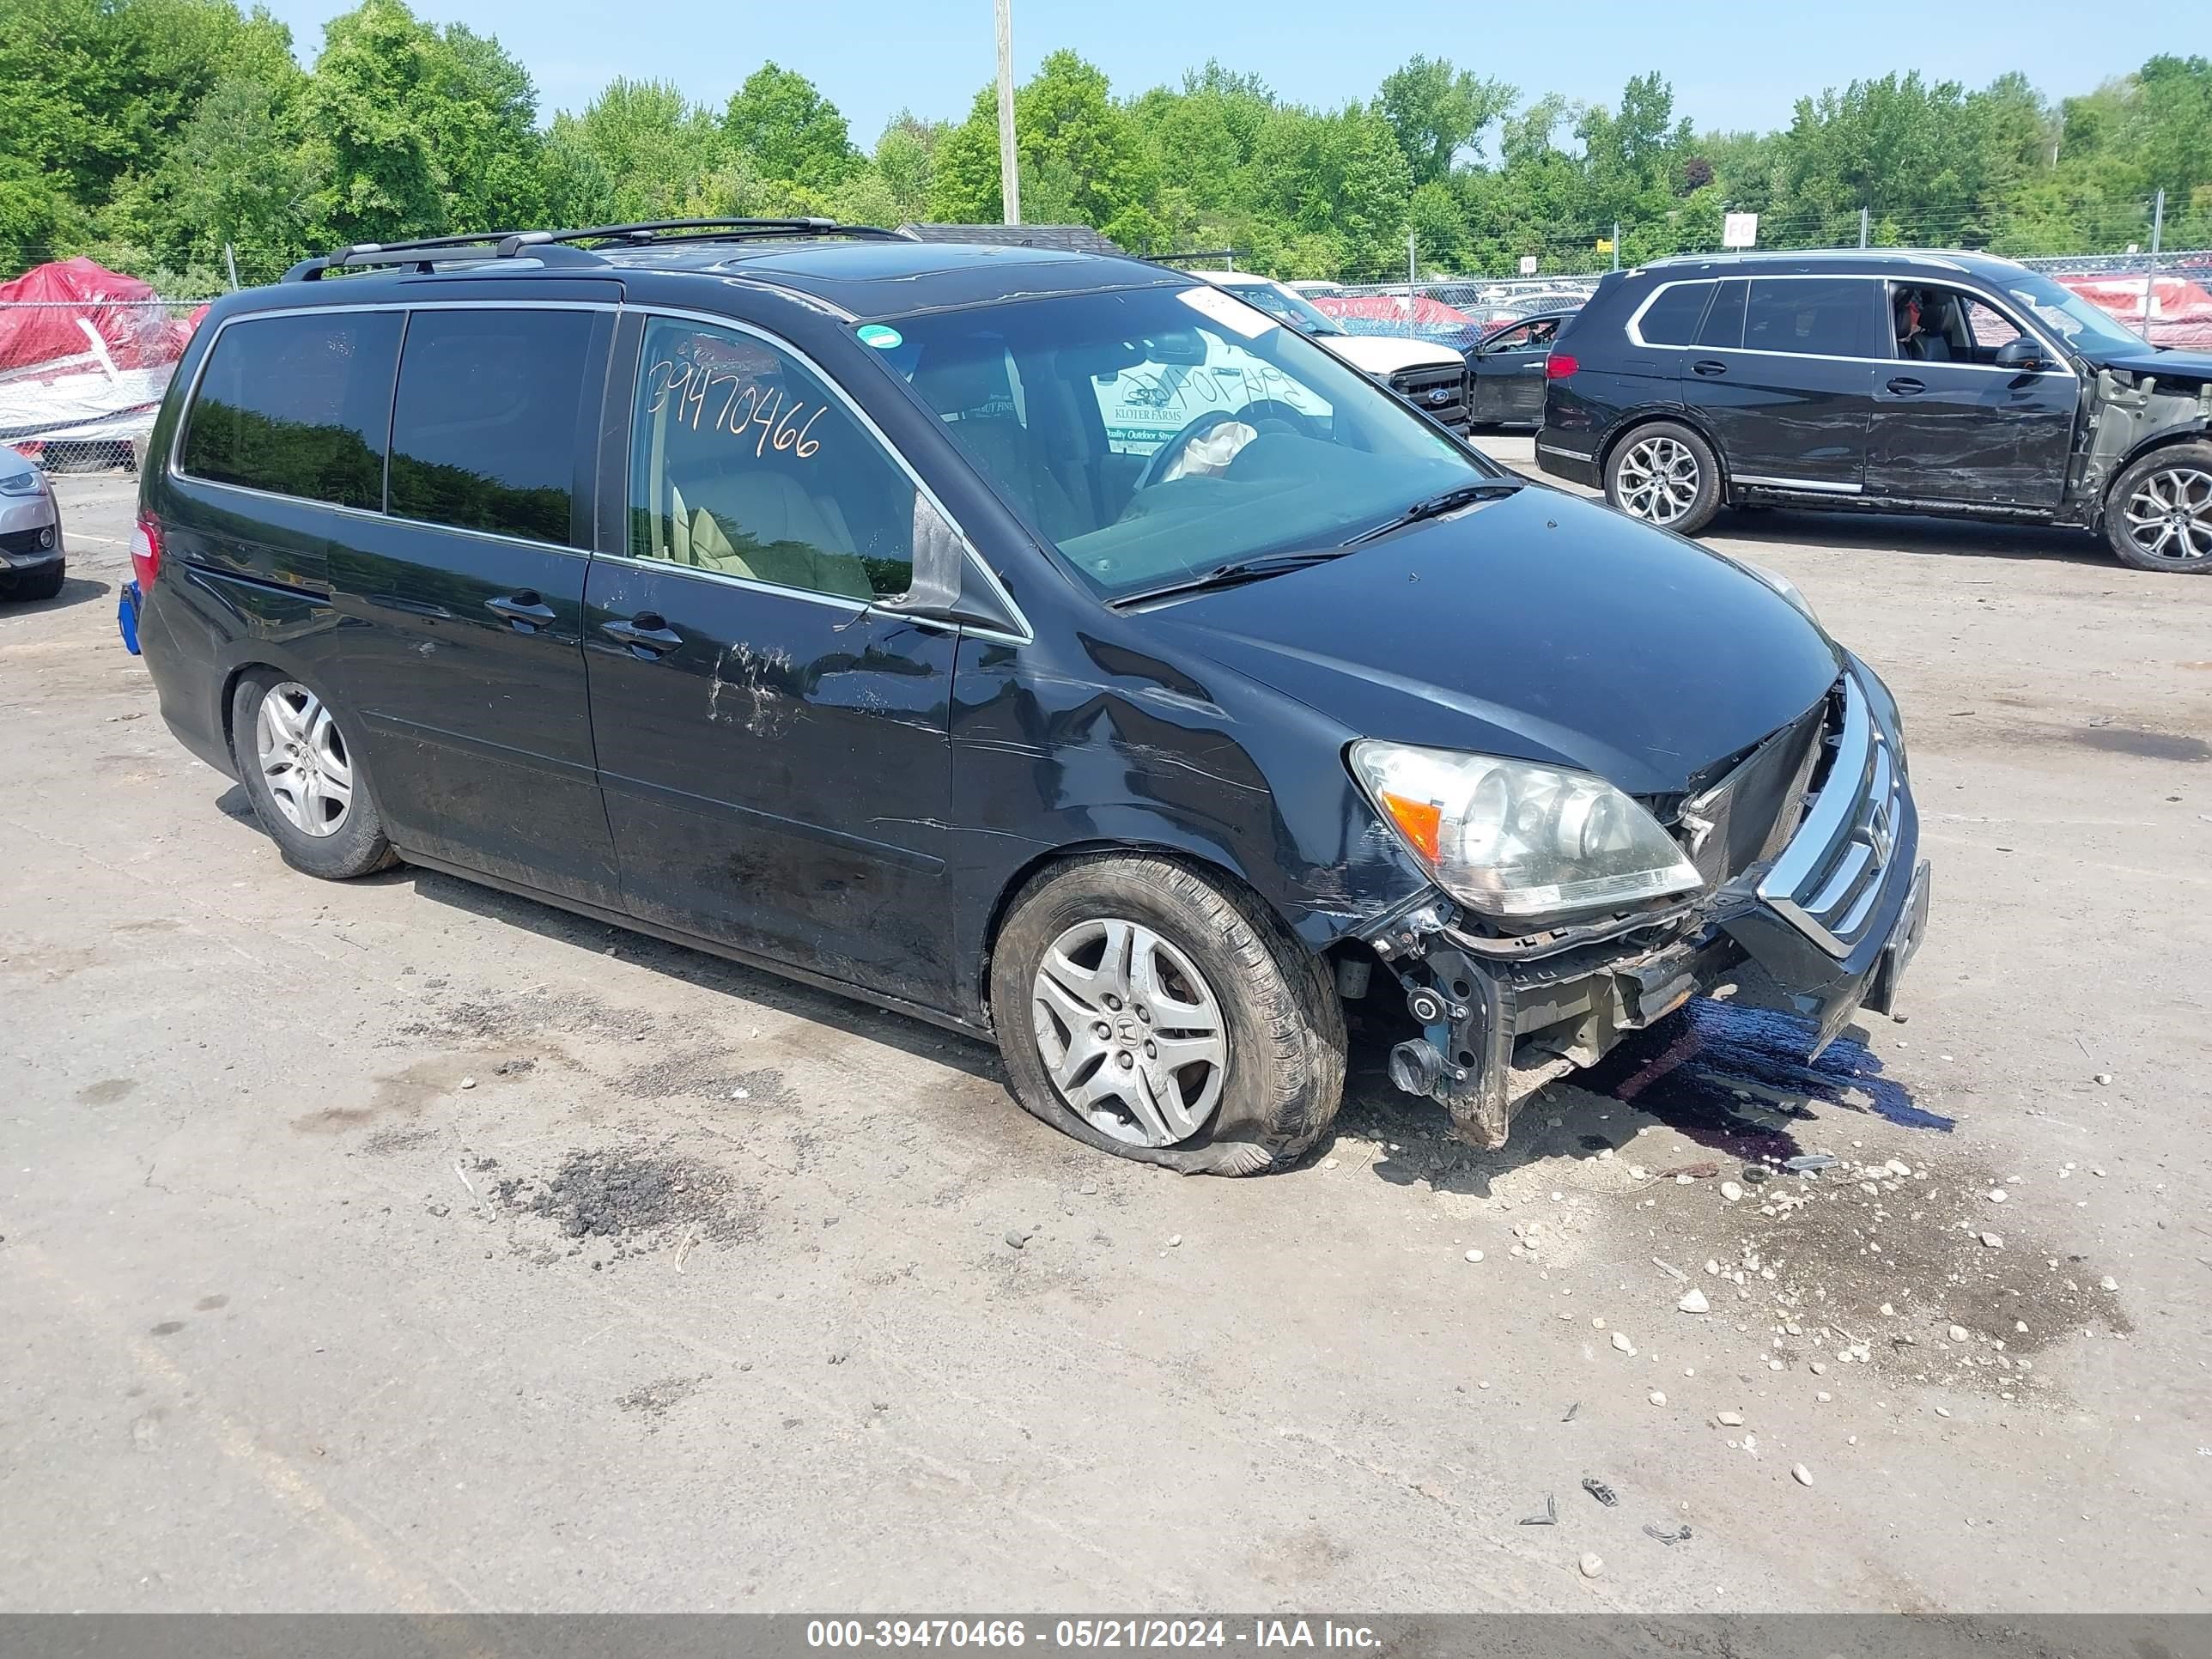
[[883, 339]]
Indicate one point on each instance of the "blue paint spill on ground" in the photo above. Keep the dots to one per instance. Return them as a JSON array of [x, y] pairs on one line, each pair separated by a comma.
[[1693, 1068]]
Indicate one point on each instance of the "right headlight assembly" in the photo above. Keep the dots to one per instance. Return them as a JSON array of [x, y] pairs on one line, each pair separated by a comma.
[[1519, 841]]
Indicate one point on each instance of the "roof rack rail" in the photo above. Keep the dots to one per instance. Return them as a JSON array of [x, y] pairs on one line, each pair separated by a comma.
[[651, 231], [423, 252], [557, 246]]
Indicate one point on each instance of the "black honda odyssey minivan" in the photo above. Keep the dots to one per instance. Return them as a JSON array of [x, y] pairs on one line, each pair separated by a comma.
[[792, 591]]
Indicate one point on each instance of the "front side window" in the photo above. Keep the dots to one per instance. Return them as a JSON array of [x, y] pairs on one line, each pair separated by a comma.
[[483, 428], [743, 463], [1811, 316], [297, 405], [1163, 432], [1672, 317]]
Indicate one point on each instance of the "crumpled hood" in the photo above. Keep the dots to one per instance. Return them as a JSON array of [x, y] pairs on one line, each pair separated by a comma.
[[2173, 368], [1541, 626]]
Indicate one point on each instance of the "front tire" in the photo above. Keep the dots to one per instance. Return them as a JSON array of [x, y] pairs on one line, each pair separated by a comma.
[[301, 769], [1151, 1011], [1666, 475], [2159, 516]]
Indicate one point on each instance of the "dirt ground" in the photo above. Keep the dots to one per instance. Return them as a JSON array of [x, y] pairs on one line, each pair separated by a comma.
[[403, 1246]]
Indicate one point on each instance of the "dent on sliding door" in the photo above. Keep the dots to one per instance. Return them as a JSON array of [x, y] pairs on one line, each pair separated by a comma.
[[772, 746]]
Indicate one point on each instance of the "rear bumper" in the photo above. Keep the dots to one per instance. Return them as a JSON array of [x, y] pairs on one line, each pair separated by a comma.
[[1564, 460], [1835, 920]]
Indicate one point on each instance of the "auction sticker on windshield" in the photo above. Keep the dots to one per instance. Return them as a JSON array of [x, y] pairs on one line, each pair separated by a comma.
[[1231, 314]]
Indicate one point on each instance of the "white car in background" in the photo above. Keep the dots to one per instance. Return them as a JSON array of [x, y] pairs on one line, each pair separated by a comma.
[[1430, 377]]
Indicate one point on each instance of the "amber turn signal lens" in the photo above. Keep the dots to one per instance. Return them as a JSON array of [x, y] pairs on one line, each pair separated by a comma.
[[1420, 822]]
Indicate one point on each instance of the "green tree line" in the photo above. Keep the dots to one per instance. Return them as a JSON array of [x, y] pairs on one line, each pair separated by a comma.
[[153, 134]]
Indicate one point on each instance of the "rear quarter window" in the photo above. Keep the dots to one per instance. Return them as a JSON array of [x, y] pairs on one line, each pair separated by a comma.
[[297, 405], [1672, 317]]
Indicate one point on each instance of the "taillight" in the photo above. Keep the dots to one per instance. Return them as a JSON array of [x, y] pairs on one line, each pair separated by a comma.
[[146, 550], [1558, 365]]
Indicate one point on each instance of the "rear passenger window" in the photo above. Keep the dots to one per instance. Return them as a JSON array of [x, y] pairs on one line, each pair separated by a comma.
[[1725, 322], [483, 430], [1816, 316], [1671, 318], [297, 406]]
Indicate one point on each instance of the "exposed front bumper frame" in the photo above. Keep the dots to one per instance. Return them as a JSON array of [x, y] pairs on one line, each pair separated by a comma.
[[1835, 920]]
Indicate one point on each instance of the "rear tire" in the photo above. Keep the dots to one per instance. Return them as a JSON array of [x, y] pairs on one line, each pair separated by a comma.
[[1214, 974], [39, 585], [1666, 475], [304, 775], [2158, 515]]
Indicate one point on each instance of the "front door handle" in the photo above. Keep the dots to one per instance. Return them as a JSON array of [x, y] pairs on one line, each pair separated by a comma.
[[647, 635], [1905, 386], [1707, 366], [526, 610]]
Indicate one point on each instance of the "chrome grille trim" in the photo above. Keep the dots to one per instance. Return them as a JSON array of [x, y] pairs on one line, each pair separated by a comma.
[[1827, 880]]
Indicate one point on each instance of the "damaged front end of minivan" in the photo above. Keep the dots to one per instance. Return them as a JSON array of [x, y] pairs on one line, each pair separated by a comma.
[[1800, 856]]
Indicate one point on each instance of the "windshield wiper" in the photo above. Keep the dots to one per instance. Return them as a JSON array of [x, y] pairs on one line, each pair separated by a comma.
[[1232, 574], [1435, 506]]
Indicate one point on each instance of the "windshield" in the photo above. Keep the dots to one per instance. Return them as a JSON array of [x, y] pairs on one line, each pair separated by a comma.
[[1280, 303], [1153, 435], [2079, 321]]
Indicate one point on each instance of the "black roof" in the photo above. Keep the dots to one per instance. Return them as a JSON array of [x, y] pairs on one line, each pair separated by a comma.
[[872, 280], [1844, 262]]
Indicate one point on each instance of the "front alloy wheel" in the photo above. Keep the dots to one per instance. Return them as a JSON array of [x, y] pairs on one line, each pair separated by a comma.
[[1131, 1035], [303, 759], [2169, 516]]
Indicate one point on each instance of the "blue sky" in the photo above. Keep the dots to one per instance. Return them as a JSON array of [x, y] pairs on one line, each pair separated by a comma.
[[1732, 64]]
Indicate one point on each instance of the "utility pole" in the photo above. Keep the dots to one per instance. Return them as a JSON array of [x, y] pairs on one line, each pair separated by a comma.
[[1616, 245], [1010, 183], [231, 260], [1412, 275], [1862, 226], [2150, 277]]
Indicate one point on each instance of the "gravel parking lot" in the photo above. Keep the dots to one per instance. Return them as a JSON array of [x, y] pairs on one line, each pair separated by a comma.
[[404, 1246]]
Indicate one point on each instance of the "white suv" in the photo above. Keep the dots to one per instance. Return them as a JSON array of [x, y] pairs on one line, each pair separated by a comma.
[[1430, 377]]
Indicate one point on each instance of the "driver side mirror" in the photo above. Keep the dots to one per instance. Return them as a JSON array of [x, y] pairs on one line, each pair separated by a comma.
[[2021, 353]]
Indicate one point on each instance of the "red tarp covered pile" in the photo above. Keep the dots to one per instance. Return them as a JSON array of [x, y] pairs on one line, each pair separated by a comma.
[[1392, 308], [54, 302], [85, 353], [2180, 310]]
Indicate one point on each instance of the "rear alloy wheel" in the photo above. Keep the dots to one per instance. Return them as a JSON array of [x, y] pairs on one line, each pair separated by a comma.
[[2158, 516], [1665, 474], [303, 759], [305, 779], [1150, 1009]]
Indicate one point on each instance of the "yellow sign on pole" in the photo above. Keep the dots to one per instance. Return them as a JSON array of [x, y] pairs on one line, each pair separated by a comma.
[[1605, 245]]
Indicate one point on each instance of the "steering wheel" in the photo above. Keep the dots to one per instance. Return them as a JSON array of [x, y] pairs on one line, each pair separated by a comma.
[[1265, 408]]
